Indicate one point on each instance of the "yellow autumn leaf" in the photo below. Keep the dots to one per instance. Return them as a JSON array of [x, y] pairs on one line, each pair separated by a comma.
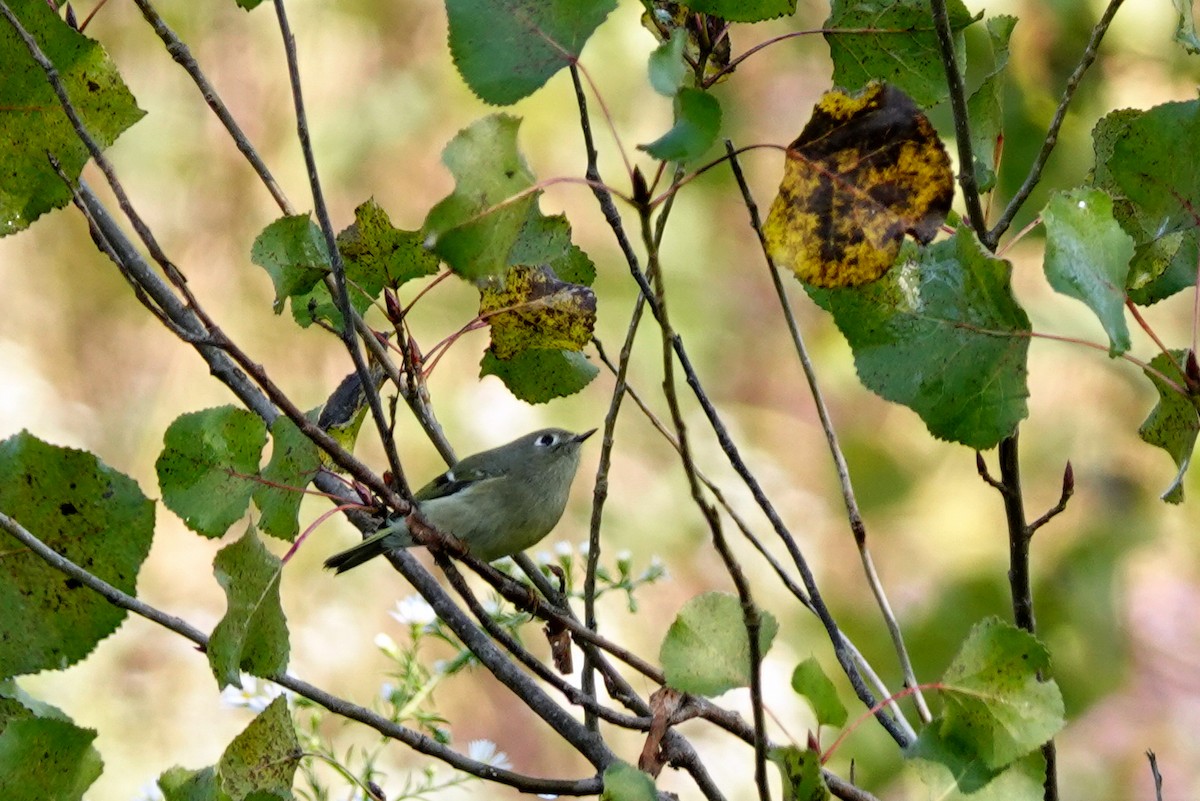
[[865, 171], [533, 308]]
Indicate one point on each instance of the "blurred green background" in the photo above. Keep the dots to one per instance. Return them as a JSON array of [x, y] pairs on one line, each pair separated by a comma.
[[1117, 576]]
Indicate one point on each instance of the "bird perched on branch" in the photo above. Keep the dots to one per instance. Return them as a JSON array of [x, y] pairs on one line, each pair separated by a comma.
[[498, 502]]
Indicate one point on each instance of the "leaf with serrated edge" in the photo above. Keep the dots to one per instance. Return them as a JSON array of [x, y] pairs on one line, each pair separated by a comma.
[[533, 309], [208, 466], [1087, 257], [252, 637], [475, 227], [89, 513], [294, 463], [292, 250], [32, 121], [997, 704], [706, 650], [985, 106], [507, 49], [1156, 193], [1173, 423], [261, 762], [944, 336], [892, 41]]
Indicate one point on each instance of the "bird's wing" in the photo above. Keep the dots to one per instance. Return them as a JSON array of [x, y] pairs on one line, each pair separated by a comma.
[[453, 481]]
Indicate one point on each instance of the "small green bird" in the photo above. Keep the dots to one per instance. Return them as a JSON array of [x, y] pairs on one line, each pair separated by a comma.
[[498, 502]]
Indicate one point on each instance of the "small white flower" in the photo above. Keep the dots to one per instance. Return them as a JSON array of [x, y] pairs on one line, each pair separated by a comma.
[[543, 558], [387, 645], [564, 549], [492, 606], [485, 751], [584, 547], [254, 696], [439, 666], [386, 690], [413, 611], [150, 792], [624, 556]]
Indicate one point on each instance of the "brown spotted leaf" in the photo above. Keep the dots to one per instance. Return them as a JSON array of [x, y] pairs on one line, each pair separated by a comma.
[[534, 309], [865, 171]]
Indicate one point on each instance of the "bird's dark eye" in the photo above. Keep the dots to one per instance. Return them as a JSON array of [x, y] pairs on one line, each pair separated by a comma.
[[545, 440]]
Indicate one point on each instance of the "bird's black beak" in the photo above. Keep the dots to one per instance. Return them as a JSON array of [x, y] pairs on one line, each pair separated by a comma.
[[585, 435]]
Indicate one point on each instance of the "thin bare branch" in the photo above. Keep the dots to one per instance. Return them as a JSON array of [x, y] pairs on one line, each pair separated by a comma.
[[858, 527], [342, 294], [992, 237], [183, 56], [339, 706], [962, 125]]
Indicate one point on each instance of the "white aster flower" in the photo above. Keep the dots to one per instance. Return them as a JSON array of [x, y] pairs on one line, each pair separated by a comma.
[[485, 751], [413, 611], [387, 645], [255, 694]]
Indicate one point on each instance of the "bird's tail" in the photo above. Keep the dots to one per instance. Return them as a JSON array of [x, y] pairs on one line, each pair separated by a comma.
[[385, 539]]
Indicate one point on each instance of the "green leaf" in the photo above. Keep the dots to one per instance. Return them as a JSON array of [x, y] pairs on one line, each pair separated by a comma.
[[1157, 192], [624, 782], [697, 123], [893, 41], [294, 463], [292, 250], [547, 240], [378, 254], [706, 650], [1173, 423], [538, 376], [744, 10], [32, 122], [801, 773], [208, 466], [261, 762], [533, 310], [1185, 31], [810, 681], [1087, 257], [951, 774], [181, 784], [667, 67], [507, 49], [985, 107], [996, 706], [252, 637], [85, 511], [475, 227], [944, 336], [47, 758]]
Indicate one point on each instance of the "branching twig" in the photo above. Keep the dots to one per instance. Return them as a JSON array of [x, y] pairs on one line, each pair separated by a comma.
[[183, 56], [858, 527], [1158, 779], [992, 237], [1019, 535], [342, 295], [334, 704], [730, 449]]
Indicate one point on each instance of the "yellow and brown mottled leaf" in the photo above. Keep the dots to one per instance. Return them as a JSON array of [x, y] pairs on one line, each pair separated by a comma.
[[533, 308], [865, 171]]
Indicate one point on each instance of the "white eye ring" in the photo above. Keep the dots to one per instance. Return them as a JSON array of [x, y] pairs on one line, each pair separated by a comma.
[[545, 440]]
